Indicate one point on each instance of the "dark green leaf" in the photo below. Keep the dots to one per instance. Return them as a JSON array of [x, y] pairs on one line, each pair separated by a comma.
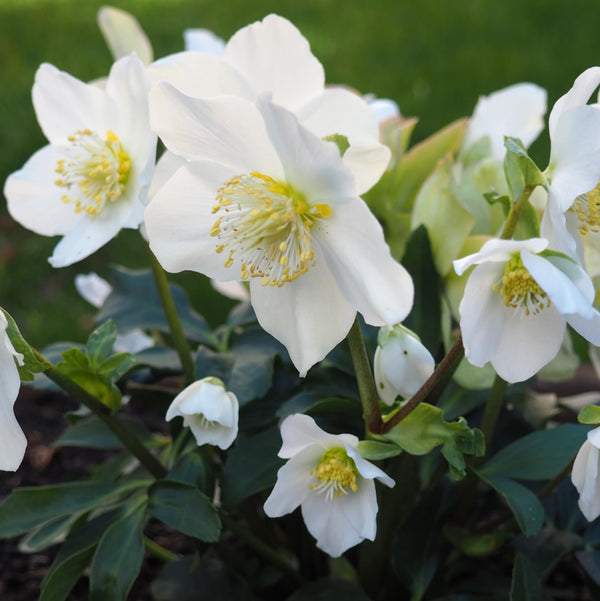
[[135, 303], [525, 585], [27, 508], [546, 549], [47, 534], [425, 317], [192, 469], [590, 562], [185, 508], [374, 450], [538, 456], [92, 432], [327, 590], [73, 557], [526, 507], [251, 466], [118, 557]]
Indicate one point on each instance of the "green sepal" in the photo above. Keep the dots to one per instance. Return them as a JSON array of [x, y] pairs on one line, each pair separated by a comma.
[[424, 428], [519, 168], [495, 198], [31, 362], [590, 414], [340, 141]]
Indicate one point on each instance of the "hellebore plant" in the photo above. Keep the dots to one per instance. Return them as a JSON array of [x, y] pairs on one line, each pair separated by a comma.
[[403, 337]]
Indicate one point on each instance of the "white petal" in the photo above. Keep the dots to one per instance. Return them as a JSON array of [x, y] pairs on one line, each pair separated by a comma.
[[123, 34], [366, 469], [179, 220], [92, 288], [12, 439], [309, 316], [310, 164], [64, 105], [516, 111], [166, 167], [299, 432], [554, 228], [133, 342], [232, 289], [203, 40], [292, 486], [580, 466], [33, 198], [575, 154], [367, 164], [372, 282], [578, 95], [276, 58], [496, 250], [226, 129]]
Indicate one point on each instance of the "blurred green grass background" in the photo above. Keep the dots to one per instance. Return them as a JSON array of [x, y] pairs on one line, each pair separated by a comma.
[[434, 58]]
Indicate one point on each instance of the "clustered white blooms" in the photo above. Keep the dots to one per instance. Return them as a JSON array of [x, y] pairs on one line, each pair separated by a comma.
[[210, 411], [12, 439], [329, 480]]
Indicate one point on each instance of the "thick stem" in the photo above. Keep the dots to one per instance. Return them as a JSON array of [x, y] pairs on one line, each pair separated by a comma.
[[515, 213], [166, 299], [113, 423], [364, 378], [439, 377]]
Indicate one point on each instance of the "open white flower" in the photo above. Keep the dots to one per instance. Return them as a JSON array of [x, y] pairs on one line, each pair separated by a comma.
[[262, 199], [272, 56], [585, 475], [93, 177], [12, 439], [517, 303], [401, 364], [209, 411], [328, 478], [516, 111]]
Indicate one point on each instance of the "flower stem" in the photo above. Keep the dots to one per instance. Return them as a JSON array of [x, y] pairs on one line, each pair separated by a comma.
[[439, 377], [269, 553], [112, 422], [492, 411], [364, 378], [515, 213], [168, 304], [159, 551]]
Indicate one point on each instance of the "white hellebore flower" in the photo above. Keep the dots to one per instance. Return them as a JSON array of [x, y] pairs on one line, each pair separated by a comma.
[[401, 365], [517, 111], [272, 56], [328, 478], [517, 303], [573, 172], [585, 475], [209, 410], [12, 439], [93, 177], [262, 199]]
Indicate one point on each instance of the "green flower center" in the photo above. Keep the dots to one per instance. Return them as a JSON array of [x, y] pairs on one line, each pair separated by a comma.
[[266, 226], [95, 172], [335, 474], [519, 289], [587, 209]]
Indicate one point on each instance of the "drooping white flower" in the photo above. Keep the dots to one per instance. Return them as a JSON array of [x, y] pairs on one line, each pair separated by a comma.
[[517, 303], [585, 475], [272, 56], [517, 111], [401, 364], [92, 178], [12, 439], [328, 478], [209, 411], [262, 199]]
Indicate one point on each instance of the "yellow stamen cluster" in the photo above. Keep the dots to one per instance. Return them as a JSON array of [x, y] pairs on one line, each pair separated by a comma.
[[587, 209], [519, 289], [95, 172], [266, 226], [336, 474]]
